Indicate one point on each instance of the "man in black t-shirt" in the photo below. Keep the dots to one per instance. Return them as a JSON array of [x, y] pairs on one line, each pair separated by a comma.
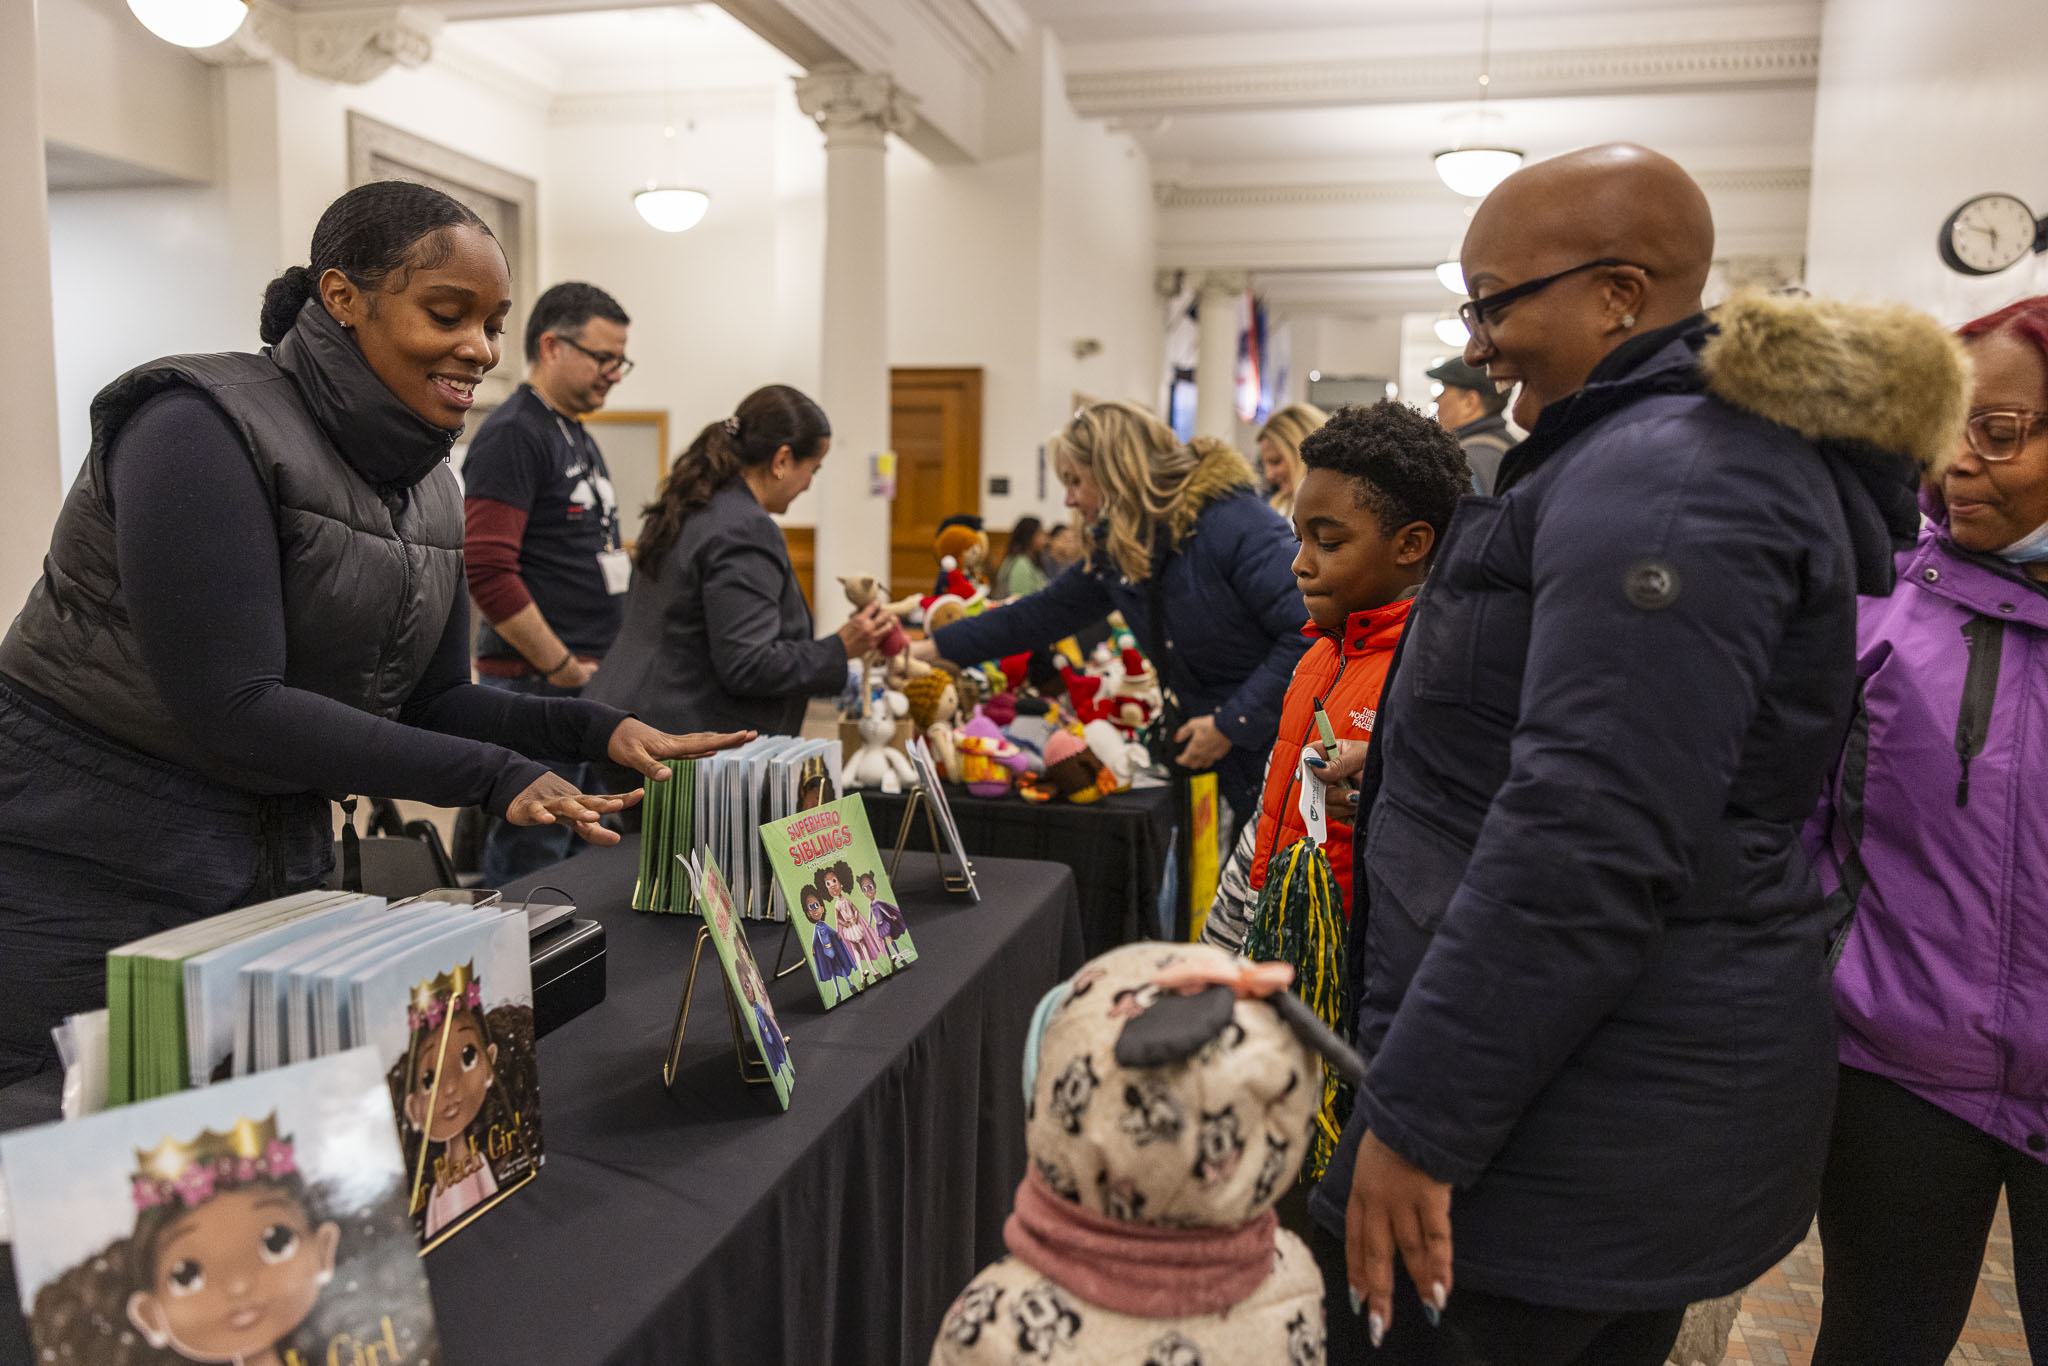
[[541, 544]]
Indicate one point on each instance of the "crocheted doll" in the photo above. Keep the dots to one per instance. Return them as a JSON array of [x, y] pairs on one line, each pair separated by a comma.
[[1169, 1089]]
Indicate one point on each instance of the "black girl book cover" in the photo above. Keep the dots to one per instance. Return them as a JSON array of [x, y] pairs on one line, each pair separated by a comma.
[[452, 1022], [261, 1221]]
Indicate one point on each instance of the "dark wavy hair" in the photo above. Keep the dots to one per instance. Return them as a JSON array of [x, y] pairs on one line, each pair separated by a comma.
[[768, 419], [1404, 466], [82, 1315], [374, 232]]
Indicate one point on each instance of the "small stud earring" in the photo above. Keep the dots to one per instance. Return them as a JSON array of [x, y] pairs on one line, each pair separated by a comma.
[[1628, 320]]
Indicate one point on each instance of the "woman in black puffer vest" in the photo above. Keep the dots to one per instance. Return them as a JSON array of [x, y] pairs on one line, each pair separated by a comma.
[[253, 598]]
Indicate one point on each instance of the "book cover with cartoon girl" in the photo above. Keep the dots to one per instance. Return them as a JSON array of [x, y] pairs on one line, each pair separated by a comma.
[[452, 1021], [828, 868], [261, 1221], [743, 978]]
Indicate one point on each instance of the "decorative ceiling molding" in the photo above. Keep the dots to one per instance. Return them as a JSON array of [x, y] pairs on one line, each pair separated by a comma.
[[1171, 195], [1403, 251], [650, 106], [349, 46], [1652, 68], [979, 32], [479, 69], [855, 108]]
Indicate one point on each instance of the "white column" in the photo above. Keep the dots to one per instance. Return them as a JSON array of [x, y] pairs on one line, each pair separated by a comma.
[[29, 488], [857, 111], [1216, 358]]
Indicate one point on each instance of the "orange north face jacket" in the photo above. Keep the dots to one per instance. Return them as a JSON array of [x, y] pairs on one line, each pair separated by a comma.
[[1346, 676]]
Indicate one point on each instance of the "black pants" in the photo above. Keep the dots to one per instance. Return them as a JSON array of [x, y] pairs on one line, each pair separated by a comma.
[[100, 845], [1905, 1207], [1485, 1330]]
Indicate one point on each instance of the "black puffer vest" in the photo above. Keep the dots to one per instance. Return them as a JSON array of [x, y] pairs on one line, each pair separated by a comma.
[[370, 572]]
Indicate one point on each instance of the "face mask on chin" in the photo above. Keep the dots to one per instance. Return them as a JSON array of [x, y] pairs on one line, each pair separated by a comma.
[[2031, 548]]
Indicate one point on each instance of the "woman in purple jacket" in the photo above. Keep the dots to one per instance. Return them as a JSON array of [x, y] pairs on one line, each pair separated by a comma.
[[1933, 842]]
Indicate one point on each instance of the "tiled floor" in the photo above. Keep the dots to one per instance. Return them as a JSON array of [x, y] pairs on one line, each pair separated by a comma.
[[1782, 1311]]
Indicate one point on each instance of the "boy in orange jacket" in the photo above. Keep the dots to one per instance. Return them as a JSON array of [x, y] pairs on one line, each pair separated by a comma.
[[1380, 486]]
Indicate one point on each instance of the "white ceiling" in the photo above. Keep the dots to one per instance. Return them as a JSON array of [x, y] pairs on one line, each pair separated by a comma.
[[1097, 21], [1709, 128], [679, 47]]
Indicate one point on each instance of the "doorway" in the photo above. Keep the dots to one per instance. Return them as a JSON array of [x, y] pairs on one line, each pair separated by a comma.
[[935, 429]]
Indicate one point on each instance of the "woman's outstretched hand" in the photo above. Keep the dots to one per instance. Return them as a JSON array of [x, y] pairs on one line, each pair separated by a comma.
[[642, 748], [552, 799]]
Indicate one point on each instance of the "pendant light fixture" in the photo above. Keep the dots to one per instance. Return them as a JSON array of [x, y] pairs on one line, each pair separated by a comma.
[[1452, 332], [1474, 171], [191, 23], [665, 205]]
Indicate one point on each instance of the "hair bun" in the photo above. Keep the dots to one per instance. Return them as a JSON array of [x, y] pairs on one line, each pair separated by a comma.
[[282, 300]]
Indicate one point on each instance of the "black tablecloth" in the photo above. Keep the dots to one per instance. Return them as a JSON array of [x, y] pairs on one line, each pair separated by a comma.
[[1116, 846], [711, 1227]]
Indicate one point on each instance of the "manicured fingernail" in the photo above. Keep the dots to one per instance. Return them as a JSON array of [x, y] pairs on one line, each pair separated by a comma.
[[1357, 1300], [1314, 762], [1351, 798], [1439, 1296], [1375, 1327], [1431, 1313]]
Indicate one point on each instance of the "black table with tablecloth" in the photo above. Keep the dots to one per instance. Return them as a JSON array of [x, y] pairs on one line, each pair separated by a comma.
[[1117, 847], [707, 1225]]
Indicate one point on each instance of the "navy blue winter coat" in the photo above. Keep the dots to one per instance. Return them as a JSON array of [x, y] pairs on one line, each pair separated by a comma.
[[1233, 618], [1595, 996]]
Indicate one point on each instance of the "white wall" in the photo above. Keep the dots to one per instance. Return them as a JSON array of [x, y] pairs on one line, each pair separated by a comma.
[[113, 88], [726, 307], [963, 291], [1096, 262], [29, 491], [1920, 107], [137, 274]]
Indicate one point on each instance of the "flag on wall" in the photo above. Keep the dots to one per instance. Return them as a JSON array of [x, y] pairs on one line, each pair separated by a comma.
[[1251, 346]]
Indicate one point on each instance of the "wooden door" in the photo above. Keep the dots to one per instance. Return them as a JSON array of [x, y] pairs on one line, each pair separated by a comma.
[[935, 429]]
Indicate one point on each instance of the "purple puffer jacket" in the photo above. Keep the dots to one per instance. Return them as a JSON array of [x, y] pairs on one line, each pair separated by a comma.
[[1932, 829]]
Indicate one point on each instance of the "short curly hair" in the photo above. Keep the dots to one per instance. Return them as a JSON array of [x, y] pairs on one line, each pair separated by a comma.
[[1406, 467]]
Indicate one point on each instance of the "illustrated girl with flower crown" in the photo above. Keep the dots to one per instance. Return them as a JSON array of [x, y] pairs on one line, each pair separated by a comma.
[[230, 1253], [469, 1119]]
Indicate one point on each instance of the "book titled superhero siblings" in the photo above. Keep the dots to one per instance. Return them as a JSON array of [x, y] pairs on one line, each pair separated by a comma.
[[845, 912]]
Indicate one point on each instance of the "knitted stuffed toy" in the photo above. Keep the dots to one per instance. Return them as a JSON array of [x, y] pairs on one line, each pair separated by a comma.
[[1169, 1089]]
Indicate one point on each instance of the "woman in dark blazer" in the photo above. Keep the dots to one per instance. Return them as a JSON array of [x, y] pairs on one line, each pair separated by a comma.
[[716, 625]]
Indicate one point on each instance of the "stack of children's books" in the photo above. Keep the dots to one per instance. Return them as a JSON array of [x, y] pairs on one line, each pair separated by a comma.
[[713, 807], [440, 991]]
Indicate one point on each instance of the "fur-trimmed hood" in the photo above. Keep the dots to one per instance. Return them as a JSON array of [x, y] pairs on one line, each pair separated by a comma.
[[1222, 470], [1877, 375]]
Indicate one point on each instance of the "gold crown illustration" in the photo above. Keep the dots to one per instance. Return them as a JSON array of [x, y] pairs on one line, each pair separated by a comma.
[[444, 987], [189, 1169]]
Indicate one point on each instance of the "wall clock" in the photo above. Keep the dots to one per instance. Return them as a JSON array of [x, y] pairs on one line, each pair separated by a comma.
[[1991, 233]]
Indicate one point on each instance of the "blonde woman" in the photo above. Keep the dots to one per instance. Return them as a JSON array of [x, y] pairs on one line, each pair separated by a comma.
[[1280, 451], [1191, 515]]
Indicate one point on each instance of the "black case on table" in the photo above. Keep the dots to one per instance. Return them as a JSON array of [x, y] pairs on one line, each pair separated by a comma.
[[568, 973]]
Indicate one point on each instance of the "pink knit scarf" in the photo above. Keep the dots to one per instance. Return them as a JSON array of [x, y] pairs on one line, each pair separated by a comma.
[[1138, 1269]]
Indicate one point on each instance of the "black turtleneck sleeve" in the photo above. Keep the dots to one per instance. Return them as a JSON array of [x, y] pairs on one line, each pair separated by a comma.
[[197, 551]]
